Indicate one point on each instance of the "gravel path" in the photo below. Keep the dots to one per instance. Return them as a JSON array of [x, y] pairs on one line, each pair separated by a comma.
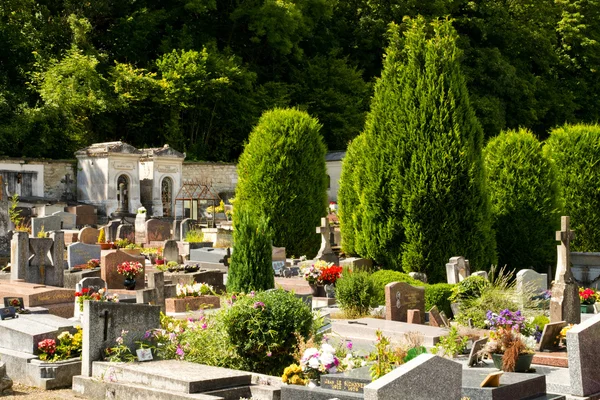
[[22, 392]]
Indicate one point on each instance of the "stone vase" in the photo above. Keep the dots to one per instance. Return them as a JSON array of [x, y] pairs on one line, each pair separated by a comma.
[[523, 362], [330, 291], [129, 283], [317, 290]]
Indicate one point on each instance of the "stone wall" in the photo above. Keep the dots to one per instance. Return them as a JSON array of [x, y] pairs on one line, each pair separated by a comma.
[[5, 226], [223, 176], [54, 171]]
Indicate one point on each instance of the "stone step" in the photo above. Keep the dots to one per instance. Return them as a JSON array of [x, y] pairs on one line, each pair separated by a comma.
[[513, 386], [98, 389], [173, 375], [248, 392]]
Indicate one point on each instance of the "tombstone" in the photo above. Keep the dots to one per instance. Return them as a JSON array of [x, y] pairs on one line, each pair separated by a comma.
[[353, 380], [109, 262], [357, 264], [426, 377], [19, 255], [401, 297], [171, 251], [531, 282], [325, 252], [157, 291], [88, 235], [584, 357], [551, 335], [84, 215], [140, 227], [412, 316], [67, 219], [81, 253], [157, 230], [474, 356], [434, 317], [457, 269], [126, 231], [93, 283], [111, 230], [483, 274], [565, 303], [185, 226], [46, 264], [47, 210], [445, 320], [103, 322], [50, 223], [278, 254], [420, 276]]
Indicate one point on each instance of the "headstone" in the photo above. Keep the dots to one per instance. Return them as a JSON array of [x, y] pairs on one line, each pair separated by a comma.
[[176, 230], [47, 210], [126, 231], [474, 355], [171, 251], [357, 264], [95, 283], [157, 291], [104, 322], [67, 219], [445, 320], [111, 230], [413, 317], [531, 282], [584, 357], [140, 227], [56, 300], [426, 377], [434, 317], [157, 230], [185, 227], [80, 253], [109, 262], [551, 335], [278, 254], [565, 303], [353, 380], [325, 252], [19, 255], [88, 235], [50, 223], [46, 264], [84, 215], [401, 297], [483, 274], [16, 302], [457, 269], [420, 276]]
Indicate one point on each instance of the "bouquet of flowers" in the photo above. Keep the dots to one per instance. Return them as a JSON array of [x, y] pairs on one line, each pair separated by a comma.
[[330, 274], [93, 263], [130, 269], [587, 296], [316, 362], [312, 273], [194, 290], [91, 294]]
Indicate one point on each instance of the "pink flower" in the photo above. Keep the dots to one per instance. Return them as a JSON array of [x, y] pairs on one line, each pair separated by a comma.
[[204, 326], [259, 304], [269, 354], [349, 345], [179, 351]]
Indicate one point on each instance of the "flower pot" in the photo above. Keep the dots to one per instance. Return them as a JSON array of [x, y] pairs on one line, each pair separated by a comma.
[[160, 262], [105, 246], [129, 283], [180, 305], [330, 291], [587, 308], [317, 290], [523, 362]]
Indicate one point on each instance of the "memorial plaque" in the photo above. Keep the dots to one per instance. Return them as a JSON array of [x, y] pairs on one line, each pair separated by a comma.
[[401, 297], [350, 381], [16, 302], [7, 313]]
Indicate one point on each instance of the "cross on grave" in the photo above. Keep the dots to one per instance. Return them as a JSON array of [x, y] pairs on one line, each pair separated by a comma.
[[325, 253], [157, 291], [565, 303], [564, 236], [227, 258]]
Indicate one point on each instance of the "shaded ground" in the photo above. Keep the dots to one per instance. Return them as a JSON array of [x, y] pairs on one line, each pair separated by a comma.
[[22, 392]]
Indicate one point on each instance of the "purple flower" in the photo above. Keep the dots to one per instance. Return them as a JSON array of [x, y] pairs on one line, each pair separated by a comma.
[[179, 351], [252, 293], [269, 354], [147, 334], [259, 304], [349, 345], [204, 326]]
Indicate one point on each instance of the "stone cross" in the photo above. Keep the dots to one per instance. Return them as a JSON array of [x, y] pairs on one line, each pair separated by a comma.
[[325, 253], [564, 236], [122, 203], [565, 303], [67, 181]]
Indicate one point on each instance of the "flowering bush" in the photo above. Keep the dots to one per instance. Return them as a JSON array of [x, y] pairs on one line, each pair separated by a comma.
[[129, 269], [330, 274], [92, 295], [316, 362], [194, 290], [587, 295]]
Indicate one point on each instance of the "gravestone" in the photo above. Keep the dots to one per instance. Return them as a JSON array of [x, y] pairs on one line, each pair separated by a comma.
[[111, 230], [140, 227], [47, 210], [157, 291], [157, 230], [50, 223], [401, 297], [80, 253], [353, 380], [434, 317], [46, 263], [583, 348], [325, 252], [84, 214], [278, 254], [426, 377], [186, 225], [94, 284], [19, 255], [483, 274], [532, 282], [88, 235], [126, 231], [67, 219], [357, 264], [109, 262], [474, 355], [413, 317], [171, 251], [104, 322], [565, 303], [551, 335], [57, 301], [420, 276], [457, 269]]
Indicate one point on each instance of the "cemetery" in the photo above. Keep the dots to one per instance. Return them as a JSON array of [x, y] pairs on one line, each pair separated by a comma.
[[437, 264]]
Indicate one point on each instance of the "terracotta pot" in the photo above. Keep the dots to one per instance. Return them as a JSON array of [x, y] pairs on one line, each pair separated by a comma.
[[105, 246]]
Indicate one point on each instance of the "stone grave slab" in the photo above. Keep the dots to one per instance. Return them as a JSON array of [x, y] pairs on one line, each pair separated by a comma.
[[58, 301], [208, 255], [401, 297], [365, 328], [552, 358], [89, 235], [513, 386], [297, 392], [357, 264], [48, 209], [583, 348], [24, 333], [72, 277], [84, 214], [551, 335], [278, 254], [171, 251], [157, 291], [126, 231], [50, 223], [67, 220], [140, 228], [81, 253], [109, 262], [350, 381], [426, 377], [157, 230]]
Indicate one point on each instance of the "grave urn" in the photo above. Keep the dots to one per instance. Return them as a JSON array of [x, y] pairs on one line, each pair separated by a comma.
[[523, 362], [317, 290]]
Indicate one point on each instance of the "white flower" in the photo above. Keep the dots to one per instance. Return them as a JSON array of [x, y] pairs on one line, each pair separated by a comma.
[[327, 359], [309, 353], [314, 363], [327, 348]]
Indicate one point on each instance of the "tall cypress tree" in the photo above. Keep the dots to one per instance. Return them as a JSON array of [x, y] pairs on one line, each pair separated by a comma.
[[348, 195]]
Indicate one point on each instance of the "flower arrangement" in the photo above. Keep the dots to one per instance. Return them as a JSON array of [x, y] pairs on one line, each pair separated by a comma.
[[587, 296], [563, 332], [93, 263], [314, 273], [47, 347], [90, 294], [293, 375], [129, 269], [194, 290], [68, 346], [316, 362], [330, 274], [506, 337]]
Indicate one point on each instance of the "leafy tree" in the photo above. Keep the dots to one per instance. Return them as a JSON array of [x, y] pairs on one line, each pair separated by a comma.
[[575, 151], [281, 176], [524, 200], [251, 267]]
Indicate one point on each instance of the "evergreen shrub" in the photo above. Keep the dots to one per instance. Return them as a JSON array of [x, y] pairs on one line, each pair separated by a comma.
[[355, 293], [438, 295]]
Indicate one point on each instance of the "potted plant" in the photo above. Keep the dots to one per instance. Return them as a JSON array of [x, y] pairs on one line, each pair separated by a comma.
[[511, 351], [92, 294], [129, 269], [159, 256], [329, 275], [192, 297], [312, 274], [132, 249], [587, 296], [102, 241]]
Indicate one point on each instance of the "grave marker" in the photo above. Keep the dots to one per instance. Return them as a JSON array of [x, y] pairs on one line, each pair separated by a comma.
[[531, 281], [19, 255], [109, 262], [435, 318], [67, 220], [88, 235], [171, 251], [157, 291], [140, 226], [457, 269], [401, 297], [325, 252], [126, 231], [186, 225], [551, 335], [50, 223], [584, 357], [84, 214], [157, 230], [81, 253], [111, 230], [565, 303], [474, 357]]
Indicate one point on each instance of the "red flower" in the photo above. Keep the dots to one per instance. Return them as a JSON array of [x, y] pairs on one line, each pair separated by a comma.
[[330, 274]]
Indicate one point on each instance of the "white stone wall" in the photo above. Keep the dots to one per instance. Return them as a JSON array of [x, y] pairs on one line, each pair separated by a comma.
[[334, 170], [166, 168], [223, 176]]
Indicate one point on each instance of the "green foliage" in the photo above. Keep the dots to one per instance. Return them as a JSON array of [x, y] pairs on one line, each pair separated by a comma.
[[354, 292], [194, 236], [251, 267], [383, 277], [524, 200], [469, 288], [575, 150], [282, 177], [414, 353], [383, 356], [451, 344], [438, 295], [13, 214], [261, 328]]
